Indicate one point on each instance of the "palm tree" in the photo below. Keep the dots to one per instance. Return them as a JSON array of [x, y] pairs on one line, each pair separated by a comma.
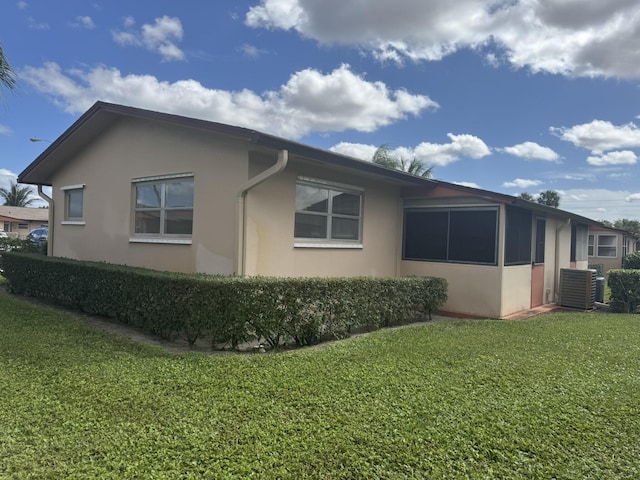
[[16, 196], [7, 75], [384, 157]]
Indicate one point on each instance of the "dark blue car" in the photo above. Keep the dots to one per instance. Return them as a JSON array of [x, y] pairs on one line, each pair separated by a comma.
[[39, 235]]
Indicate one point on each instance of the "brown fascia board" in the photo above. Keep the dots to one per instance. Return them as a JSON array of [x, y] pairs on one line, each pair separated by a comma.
[[519, 202], [94, 120]]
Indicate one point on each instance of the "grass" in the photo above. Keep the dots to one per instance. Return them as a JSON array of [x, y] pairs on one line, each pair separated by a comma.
[[557, 396]]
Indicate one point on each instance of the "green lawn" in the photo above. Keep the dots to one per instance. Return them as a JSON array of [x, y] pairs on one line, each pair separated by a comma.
[[557, 396]]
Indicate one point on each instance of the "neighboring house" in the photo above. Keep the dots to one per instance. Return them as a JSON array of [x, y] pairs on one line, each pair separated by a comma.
[[19, 221], [161, 191], [608, 246]]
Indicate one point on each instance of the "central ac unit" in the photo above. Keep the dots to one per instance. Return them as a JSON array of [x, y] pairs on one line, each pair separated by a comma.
[[577, 288]]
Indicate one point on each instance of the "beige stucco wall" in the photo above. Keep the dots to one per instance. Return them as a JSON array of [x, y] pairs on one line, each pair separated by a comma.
[[473, 289], [609, 262], [133, 149], [516, 289], [270, 225]]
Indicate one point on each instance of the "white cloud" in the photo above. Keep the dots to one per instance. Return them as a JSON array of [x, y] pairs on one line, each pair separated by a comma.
[[441, 154], [522, 183], [7, 177], [83, 21], [159, 37], [356, 150], [4, 130], [600, 136], [22, 5], [431, 154], [625, 157], [601, 204], [570, 37], [532, 151], [252, 51], [309, 101]]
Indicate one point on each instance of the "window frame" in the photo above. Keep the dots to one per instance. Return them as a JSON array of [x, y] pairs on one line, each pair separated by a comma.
[[329, 241], [161, 236], [69, 191], [591, 245], [614, 246], [447, 235]]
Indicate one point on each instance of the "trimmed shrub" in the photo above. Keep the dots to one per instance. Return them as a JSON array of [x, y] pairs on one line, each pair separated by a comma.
[[631, 261], [227, 310], [625, 290]]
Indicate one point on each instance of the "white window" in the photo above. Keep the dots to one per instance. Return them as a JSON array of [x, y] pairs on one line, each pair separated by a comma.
[[607, 245], [327, 211], [591, 245], [73, 204], [625, 246], [164, 206]]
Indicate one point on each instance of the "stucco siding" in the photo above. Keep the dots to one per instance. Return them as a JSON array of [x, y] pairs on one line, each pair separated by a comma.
[[473, 289], [516, 289], [134, 149], [271, 247]]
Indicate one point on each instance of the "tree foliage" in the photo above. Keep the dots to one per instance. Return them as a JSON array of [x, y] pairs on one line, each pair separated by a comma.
[[527, 196], [7, 75], [631, 226], [550, 198], [16, 195], [383, 156]]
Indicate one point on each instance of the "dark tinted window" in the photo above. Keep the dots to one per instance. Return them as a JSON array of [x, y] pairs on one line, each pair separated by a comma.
[[518, 236], [456, 235], [541, 227]]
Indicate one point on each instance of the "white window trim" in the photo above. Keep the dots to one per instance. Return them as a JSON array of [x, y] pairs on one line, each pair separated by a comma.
[[302, 242], [156, 178], [177, 239], [615, 246], [73, 220], [73, 187], [163, 240], [353, 246]]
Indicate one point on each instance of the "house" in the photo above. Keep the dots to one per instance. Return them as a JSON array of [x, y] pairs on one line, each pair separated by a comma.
[[155, 190], [19, 221], [608, 246]]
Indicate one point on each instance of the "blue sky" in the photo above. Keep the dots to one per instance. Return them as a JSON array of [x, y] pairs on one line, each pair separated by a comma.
[[509, 96]]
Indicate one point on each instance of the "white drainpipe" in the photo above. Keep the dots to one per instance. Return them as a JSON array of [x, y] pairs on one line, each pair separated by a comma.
[[241, 243], [49, 200], [557, 266]]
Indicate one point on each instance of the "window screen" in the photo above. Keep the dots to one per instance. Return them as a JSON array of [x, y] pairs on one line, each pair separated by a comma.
[[453, 235], [518, 236]]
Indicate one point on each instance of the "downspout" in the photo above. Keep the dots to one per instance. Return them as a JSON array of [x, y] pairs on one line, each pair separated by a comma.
[[557, 265], [241, 240], [49, 200]]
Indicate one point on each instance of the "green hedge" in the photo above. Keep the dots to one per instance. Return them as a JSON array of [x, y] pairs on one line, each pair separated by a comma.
[[631, 261], [625, 290], [227, 310]]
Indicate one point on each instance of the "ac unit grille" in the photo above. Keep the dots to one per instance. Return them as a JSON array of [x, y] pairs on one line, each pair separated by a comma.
[[577, 288]]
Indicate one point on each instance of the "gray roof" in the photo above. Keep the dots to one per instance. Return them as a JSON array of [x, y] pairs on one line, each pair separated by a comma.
[[101, 115], [24, 213]]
